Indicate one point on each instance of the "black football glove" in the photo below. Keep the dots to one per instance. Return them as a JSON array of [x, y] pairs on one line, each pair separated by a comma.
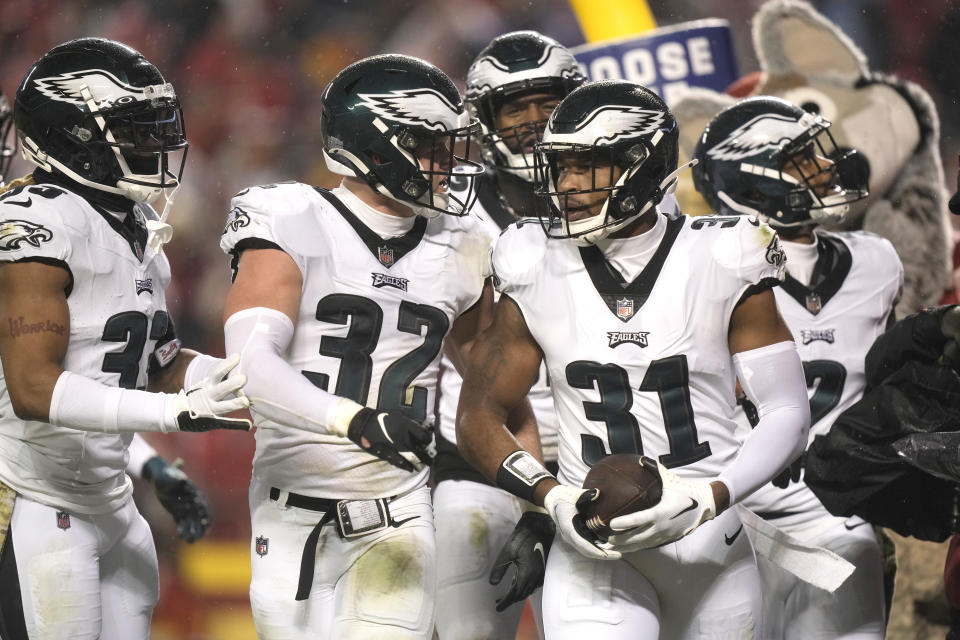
[[179, 496], [791, 474], [389, 434], [526, 550]]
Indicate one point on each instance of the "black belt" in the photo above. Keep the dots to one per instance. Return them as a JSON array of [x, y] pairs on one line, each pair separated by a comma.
[[329, 508]]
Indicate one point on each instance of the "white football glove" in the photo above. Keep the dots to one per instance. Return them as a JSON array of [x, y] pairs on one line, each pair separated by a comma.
[[684, 506], [199, 408], [563, 503]]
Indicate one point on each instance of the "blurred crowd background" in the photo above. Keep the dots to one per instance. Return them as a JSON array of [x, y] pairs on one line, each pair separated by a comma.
[[250, 73]]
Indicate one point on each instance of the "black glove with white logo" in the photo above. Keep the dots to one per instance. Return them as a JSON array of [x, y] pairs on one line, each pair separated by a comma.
[[179, 496], [389, 435], [791, 474], [526, 550]]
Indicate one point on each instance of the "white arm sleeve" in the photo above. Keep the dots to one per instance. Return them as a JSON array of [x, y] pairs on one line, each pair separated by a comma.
[[772, 377], [82, 403], [139, 451], [275, 389]]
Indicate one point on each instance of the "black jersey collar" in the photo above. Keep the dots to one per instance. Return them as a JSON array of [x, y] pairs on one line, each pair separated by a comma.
[[833, 265], [623, 298], [388, 251]]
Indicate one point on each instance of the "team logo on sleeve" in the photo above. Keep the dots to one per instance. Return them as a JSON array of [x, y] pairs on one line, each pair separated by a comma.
[[63, 520], [618, 338], [775, 254], [237, 218], [812, 335], [383, 280], [262, 545], [13, 233]]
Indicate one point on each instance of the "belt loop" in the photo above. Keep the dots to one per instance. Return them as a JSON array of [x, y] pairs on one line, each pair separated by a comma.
[[282, 498]]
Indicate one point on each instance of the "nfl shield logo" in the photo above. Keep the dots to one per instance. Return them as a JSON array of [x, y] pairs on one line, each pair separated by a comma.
[[625, 308], [262, 546], [813, 303], [386, 256], [63, 520]]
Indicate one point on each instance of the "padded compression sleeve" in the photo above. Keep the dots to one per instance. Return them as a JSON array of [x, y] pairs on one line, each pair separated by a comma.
[[276, 390], [772, 377], [81, 403]]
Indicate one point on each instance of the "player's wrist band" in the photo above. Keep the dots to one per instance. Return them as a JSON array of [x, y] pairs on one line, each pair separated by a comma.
[[520, 473]]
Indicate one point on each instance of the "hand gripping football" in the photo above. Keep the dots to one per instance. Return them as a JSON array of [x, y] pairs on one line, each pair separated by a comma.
[[625, 485]]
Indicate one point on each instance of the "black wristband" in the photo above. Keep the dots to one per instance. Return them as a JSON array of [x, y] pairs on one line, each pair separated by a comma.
[[520, 473]]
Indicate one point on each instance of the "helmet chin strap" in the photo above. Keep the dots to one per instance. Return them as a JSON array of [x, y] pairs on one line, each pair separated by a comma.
[[159, 231]]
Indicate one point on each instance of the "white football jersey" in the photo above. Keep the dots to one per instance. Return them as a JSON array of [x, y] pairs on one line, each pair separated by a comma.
[[641, 367], [373, 316], [117, 314], [540, 397], [855, 286]]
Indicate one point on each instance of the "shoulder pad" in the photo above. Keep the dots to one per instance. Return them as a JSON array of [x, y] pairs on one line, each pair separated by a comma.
[[743, 246], [38, 221], [518, 252], [285, 214]]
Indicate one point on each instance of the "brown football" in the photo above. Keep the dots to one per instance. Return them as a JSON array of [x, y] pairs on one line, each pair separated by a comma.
[[625, 486]]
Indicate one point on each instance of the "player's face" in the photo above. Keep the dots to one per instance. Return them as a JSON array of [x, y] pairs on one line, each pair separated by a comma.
[[581, 180], [436, 159], [810, 164], [521, 121]]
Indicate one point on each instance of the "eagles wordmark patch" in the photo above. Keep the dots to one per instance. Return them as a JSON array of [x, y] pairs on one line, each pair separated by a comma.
[[383, 280], [813, 335], [618, 338], [13, 233]]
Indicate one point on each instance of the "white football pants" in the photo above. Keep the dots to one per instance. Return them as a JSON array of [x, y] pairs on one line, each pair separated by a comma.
[[474, 521], [796, 610], [702, 587], [84, 577], [377, 586]]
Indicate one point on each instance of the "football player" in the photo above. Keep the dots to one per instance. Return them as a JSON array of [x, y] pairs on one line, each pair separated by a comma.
[[765, 157], [512, 88], [341, 304], [86, 331], [643, 322]]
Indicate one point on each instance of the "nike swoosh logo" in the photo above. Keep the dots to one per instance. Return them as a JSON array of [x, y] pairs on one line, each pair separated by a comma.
[[383, 427], [730, 539], [539, 549], [396, 523], [693, 505], [849, 528]]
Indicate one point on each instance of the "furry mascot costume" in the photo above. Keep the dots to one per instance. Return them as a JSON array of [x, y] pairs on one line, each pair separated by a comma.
[[893, 124]]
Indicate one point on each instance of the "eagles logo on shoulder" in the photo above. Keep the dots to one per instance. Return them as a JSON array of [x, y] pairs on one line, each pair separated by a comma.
[[237, 218], [13, 233], [775, 254]]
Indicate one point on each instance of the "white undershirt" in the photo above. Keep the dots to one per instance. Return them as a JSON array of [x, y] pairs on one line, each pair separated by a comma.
[[630, 255], [382, 224], [801, 260]]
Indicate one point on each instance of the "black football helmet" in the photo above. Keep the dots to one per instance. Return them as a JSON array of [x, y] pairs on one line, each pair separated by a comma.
[[512, 65], [381, 113], [8, 143], [608, 124], [97, 112], [746, 149]]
